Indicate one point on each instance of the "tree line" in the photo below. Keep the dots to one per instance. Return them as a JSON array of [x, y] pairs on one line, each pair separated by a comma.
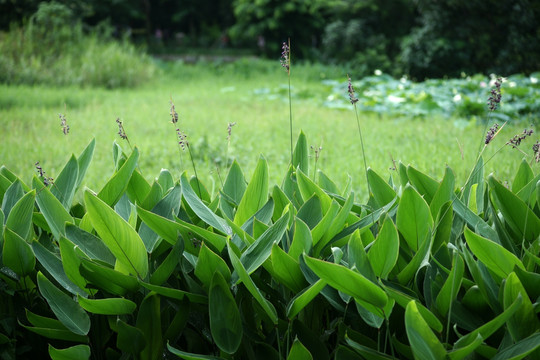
[[420, 38]]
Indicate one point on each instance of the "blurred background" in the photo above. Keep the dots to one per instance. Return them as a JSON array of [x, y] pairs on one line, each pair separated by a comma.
[[418, 38]]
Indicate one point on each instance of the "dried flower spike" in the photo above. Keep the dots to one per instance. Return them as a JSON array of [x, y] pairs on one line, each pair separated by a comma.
[[46, 180], [517, 139], [63, 124], [121, 130], [536, 151], [182, 139], [495, 98], [286, 56], [350, 90], [174, 114], [317, 151], [229, 130], [491, 133]]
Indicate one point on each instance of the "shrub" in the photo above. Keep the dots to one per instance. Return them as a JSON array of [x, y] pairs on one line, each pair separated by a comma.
[[53, 49]]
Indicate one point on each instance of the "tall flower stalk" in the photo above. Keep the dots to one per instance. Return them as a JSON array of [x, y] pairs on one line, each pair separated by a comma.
[[354, 100], [286, 63], [183, 143]]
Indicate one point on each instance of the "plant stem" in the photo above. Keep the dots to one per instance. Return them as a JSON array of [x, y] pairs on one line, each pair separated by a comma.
[[290, 115], [194, 170]]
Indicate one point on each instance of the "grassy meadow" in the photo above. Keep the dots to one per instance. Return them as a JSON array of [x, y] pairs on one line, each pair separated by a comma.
[[252, 94]]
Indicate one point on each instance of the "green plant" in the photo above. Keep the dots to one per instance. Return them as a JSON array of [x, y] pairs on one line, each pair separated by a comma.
[[142, 268]]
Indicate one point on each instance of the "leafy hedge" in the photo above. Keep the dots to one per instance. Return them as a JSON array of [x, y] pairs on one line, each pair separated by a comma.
[[299, 270]]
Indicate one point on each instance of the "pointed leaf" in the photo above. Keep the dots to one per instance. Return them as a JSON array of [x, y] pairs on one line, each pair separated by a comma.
[[54, 212], [63, 306], [90, 244], [115, 188], [65, 183], [300, 154], [77, 352], [384, 252], [520, 349], [17, 254], [190, 356], [225, 319], [19, 219], [149, 322], [256, 194], [235, 184], [208, 264], [382, 192], [108, 306], [118, 235], [130, 339], [451, 286], [84, 161], [424, 343], [414, 219], [286, 269], [299, 352], [302, 299]]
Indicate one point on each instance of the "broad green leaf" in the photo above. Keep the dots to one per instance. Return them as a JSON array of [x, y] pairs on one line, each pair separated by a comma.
[[414, 219], [365, 351], [165, 179], [17, 254], [348, 281], [418, 261], [322, 227], [491, 326], [4, 185], [499, 260], [523, 176], [474, 221], [168, 265], [175, 293], [108, 279], [108, 306], [424, 343], [299, 351], [225, 319], [71, 262], [339, 222], [257, 253], [461, 353], [300, 158], [202, 211], [166, 207], [58, 334], [286, 269], [250, 285], [451, 286], [443, 226], [302, 240], [524, 321], [515, 212], [13, 194], [149, 322], [44, 322], [326, 183], [382, 192], [19, 219], [138, 188], [358, 258], [281, 201], [54, 212], [425, 185], [256, 194], [444, 192], [235, 184], [190, 356], [152, 198], [302, 299], [77, 352], [130, 339], [201, 190], [311, 212], [308, 188], [63, 306], [520, 349], [115, 188], [53, 265], [90, 244], [118, 235], [84, 160], [403, 300], [209, 263], [65, 183], [384, 252], [218, 241]]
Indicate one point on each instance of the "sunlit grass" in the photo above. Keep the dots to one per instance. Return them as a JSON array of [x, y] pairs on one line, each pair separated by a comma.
[[207, 99]]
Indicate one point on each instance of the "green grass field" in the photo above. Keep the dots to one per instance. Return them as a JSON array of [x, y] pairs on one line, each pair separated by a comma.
[[207, 98]]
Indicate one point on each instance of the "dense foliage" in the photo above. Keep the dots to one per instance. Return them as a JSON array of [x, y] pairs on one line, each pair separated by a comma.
[[54, 48], [424, 269], [415, 37]]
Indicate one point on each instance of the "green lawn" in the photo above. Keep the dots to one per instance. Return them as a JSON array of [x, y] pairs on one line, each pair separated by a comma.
[[209, 97]]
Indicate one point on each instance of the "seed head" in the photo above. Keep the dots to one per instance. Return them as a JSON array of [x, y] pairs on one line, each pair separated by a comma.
[[286, 56], [495, 96], [174, 114], [121, 130], [536, 151], [63, 124], [46, 180], [182, 139], [516, 140], [350, 89], [317, 150], [491, 133], [229, 130]]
